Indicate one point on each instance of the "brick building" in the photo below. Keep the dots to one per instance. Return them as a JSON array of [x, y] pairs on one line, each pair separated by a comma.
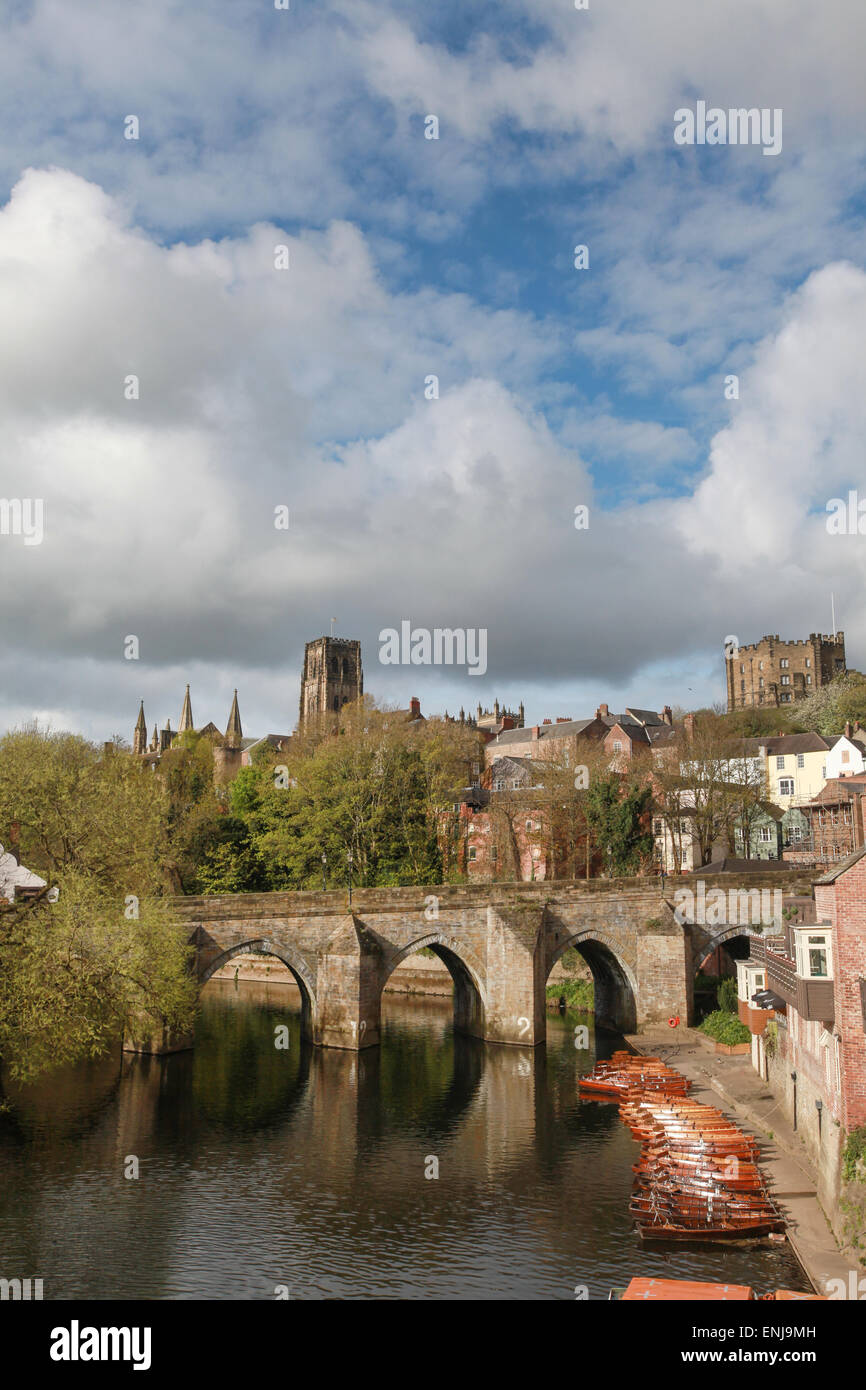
[[773, 673]]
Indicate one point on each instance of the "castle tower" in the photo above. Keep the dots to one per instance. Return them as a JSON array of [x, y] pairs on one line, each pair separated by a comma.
[[332, 677], [139, 738], [186, 724]]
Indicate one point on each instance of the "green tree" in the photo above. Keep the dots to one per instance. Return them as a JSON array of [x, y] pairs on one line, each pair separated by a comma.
[[617, 812], [106, 954]]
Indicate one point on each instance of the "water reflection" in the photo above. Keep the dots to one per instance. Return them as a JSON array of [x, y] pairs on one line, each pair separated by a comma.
[[263, 1166]]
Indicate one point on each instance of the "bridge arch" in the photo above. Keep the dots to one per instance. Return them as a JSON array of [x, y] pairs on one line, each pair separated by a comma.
[[614, 984], [470, 1001], [299, 968]]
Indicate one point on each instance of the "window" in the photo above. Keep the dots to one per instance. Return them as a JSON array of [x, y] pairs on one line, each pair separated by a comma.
[[760, 665], [784, 663], [657, 827], [801, 759], [472, 852], [795, 833], [742, 685], [808, 662], [684, 858], [529, 825], [515, 785], [786, 680], [808, 680], [617, 746], [499, 785], [765, 834], [742, 670], [784, 699], [761, 682], [786, 786], [780, 762], [494, 854], [814, 957]]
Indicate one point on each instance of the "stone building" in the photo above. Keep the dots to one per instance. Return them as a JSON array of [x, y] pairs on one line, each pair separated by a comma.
[[773, 673], [228, 748], [332, 677]]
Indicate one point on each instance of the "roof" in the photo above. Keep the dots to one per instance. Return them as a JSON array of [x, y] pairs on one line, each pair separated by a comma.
[[645, 716], [738, 866], [567, 729], [14, 875], [787, 743], [843, 866]]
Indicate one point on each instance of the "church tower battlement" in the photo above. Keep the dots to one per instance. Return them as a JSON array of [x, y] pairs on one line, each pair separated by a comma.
[[332, 677]]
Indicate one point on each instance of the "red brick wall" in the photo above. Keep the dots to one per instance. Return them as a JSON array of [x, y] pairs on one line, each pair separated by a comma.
[[843, 903]]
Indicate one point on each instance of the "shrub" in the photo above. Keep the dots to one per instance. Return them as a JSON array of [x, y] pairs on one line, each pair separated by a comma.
[[725, 1028], [854, 1155], [726, 995]]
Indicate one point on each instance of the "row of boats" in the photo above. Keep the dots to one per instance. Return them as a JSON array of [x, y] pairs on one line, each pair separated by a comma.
[[697, 1177]]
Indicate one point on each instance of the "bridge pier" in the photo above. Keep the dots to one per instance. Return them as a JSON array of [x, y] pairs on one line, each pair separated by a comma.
[[348, 990], [516, 975]]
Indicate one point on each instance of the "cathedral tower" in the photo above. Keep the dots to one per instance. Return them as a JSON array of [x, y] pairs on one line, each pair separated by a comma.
[[332, 677]]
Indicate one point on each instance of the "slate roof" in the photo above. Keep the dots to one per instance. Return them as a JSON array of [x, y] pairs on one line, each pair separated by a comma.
[[843, 866], [786, 743]]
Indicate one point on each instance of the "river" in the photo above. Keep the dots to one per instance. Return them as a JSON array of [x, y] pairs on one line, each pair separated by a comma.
[[303, 1172]]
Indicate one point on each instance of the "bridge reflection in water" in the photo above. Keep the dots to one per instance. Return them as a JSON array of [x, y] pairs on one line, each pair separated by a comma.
[[305, 1167]]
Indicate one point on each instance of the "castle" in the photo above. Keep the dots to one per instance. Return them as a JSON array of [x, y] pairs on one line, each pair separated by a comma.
[[773, 673]]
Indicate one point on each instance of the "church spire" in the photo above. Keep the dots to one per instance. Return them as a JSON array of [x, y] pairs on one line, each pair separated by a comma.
[[139, 739], [234, 732], [186, 715]]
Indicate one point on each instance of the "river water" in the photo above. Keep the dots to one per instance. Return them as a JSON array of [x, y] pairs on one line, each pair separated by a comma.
[[304, 1170]]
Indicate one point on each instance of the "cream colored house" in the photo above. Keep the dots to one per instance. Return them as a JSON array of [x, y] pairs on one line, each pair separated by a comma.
[[796, 766]]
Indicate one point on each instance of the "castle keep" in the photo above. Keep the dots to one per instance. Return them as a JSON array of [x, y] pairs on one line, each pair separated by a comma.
[[773, 673]]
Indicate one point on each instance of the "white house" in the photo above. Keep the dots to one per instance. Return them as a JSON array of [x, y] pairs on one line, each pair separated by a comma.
[[14, 878], [846, 755]]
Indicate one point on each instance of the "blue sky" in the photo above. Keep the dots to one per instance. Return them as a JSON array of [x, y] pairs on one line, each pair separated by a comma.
[[412, 257]]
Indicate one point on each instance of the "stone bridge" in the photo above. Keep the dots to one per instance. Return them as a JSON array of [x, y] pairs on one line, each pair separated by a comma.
[[499, 941]]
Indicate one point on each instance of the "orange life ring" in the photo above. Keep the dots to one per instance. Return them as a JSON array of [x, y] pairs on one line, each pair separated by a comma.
[[673, 1021]]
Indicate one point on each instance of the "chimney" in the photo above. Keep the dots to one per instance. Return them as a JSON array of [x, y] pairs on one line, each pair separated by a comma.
[[415, 707], [563, 719], [689, 725], [15, 840], [847, 728], [507, 722], [667, 715], [545, 721], [602, 712], [535, 732]]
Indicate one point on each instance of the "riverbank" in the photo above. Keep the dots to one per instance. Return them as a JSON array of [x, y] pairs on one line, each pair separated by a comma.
[[742, 1095]]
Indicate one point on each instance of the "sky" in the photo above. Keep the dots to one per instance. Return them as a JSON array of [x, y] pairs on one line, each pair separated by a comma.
[[306, 386]]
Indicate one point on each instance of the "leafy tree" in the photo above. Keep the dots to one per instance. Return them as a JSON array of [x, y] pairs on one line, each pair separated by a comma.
[[617, 811], [827, 710], [106, 954]]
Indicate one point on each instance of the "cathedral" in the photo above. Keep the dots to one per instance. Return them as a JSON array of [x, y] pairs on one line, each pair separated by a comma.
[[332, 677], [228, 748]]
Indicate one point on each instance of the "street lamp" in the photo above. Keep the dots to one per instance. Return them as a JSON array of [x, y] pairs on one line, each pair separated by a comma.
[[349, 871], [819, 1106], [794, 1079], [324, 870]]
